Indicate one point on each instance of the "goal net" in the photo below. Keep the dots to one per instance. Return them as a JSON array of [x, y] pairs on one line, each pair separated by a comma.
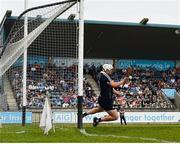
[[51, 43]]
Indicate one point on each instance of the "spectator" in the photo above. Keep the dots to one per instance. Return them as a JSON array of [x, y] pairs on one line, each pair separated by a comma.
[[122, 117]]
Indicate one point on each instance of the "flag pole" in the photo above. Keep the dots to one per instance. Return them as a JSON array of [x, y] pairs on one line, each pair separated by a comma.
[[46, 117]]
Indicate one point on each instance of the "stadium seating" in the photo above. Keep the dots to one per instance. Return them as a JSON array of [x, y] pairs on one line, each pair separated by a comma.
[[143, 91]]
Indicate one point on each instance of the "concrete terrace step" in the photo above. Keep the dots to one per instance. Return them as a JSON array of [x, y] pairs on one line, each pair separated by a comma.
[[9, 93]]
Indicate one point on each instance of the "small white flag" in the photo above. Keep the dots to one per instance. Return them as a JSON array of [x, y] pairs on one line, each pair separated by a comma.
[[46, 118]]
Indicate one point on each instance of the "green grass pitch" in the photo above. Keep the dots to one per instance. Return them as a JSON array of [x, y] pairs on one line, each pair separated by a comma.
[[151, 133]]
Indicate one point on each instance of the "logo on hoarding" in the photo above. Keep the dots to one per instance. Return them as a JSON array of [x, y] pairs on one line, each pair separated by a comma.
[[63, 117], [15, 117]]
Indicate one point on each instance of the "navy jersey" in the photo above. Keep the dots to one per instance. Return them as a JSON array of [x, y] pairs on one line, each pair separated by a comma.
[[106, 89]]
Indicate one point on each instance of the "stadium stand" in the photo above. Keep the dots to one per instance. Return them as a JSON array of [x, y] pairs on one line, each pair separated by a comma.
[[57, 84], [143, 91]]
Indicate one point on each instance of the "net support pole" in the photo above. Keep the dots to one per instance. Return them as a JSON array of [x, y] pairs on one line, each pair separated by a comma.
[[24, 66], [80, 63]]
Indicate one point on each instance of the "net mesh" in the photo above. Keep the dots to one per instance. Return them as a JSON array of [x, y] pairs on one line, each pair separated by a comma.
[[52, 57]]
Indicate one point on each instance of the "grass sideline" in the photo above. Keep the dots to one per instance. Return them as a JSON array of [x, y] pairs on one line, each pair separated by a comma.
[[109, 133]]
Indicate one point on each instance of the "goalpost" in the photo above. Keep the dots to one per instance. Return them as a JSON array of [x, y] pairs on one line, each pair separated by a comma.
[[80, 64], [51, 38]]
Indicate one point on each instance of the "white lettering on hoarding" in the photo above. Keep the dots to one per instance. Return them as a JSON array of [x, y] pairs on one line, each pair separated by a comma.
[[132, 117]]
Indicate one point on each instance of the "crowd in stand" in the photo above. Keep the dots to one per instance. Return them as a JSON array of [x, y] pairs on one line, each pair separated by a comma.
[[60, 85], [144, 89]]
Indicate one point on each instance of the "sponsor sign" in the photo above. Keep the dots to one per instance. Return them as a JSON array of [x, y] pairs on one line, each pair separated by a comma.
[[157, 64], [132, 117], [14, 117]]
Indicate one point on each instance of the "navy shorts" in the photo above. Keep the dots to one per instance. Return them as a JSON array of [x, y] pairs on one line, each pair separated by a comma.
[[106, 104]]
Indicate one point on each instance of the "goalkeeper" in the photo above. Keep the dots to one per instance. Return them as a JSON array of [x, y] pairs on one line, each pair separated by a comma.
[[105, 99]]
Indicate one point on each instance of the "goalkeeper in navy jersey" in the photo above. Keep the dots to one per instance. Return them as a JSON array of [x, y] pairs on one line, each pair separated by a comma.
[[106, 99]]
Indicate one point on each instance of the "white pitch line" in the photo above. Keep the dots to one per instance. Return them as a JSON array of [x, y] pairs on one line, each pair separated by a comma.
[[83, 131], [17, 132]]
